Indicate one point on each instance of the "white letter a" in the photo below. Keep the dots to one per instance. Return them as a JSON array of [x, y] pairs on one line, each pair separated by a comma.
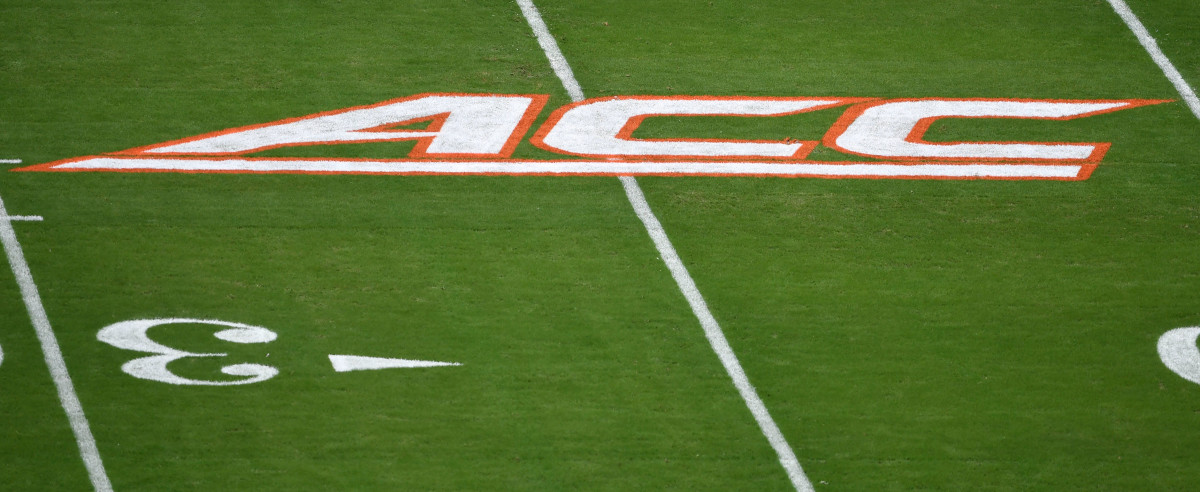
[[470, 125]]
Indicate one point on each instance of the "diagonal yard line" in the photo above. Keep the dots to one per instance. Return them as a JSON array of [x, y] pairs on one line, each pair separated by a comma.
[[716, 338], [712, 330], [1164, 63], [53, 355], [557, 61]]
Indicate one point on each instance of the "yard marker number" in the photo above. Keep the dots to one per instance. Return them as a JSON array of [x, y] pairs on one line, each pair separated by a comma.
[[132, 335], [1177, 349]]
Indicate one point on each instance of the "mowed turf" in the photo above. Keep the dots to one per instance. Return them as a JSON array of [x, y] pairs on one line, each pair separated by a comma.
[[581, 367], [941, 335]]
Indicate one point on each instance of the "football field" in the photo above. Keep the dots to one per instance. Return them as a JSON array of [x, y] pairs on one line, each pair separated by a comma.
[[608, 245]]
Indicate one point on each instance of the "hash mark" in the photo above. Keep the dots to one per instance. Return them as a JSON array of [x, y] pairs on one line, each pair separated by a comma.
[[27, 218]]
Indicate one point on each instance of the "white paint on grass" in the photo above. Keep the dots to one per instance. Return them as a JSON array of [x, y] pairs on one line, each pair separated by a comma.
[[346, 363], [247, 334], [716, 337], [603, 127], [891, 129], [133, 335], [558, 62], [1177, 349], [54, 357], [711, 329], [1164, 63], [10, 161], [966, 170], [22, 218], [467, 124]]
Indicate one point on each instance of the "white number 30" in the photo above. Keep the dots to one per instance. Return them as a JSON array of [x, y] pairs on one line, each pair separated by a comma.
[[131, 335]]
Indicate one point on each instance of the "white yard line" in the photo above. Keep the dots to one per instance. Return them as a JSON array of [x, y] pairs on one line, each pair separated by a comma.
[[1164, 63], [712, 330], [53, 355], [557, 61], [715, 336], [10, 161]]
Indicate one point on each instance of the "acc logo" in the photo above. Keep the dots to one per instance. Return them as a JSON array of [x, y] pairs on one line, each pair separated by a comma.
[[476, 134]]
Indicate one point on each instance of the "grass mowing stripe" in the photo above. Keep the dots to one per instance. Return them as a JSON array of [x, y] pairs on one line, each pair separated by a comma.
[[54, 358], [1164, 63], [712, 330]]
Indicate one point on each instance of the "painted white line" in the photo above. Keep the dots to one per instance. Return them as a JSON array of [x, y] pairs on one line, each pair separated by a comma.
[[1164, 63], [23, 218], [715, 336], [10, 161], [583, 168], [54, 358], [712, 330], [557, 61], [1177, 349], [346, 363]]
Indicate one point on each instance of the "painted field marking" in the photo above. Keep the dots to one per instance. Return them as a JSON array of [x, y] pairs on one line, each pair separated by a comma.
[[1177, 349], [53, 355], [477, 133], [1147, 41], [10, 161], [716, 337], [133, 335], [22, 218], [915, 170], [558, 62], [679, 272], [347, 363]]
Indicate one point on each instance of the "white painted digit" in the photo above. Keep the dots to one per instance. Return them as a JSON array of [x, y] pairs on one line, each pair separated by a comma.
[[1177, 349], [132, 335]]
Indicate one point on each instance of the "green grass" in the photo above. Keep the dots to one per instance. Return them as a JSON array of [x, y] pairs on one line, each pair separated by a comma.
[[906, 335]]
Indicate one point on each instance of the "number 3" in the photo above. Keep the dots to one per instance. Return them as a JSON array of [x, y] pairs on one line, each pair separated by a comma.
[[131, 335]]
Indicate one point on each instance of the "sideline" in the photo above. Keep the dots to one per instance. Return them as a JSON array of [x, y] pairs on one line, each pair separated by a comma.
[[1164, 63], [687, 286], [54, 358]]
